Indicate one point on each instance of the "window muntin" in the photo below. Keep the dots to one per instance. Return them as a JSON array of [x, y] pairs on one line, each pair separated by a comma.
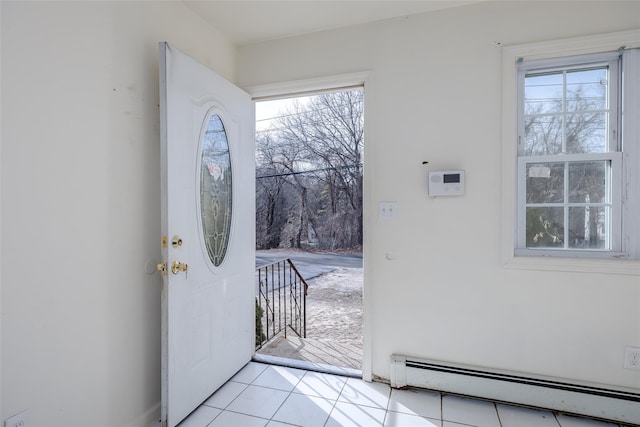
[[568, 161], [566, 111], [568, 205]]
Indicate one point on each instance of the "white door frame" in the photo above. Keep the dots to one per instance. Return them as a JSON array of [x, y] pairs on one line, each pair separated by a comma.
[[332, 83]]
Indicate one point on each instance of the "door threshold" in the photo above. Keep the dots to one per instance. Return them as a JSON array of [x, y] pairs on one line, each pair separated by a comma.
[[306, 365]]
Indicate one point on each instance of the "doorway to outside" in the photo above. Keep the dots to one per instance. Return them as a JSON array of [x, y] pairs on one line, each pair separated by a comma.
[[309, 165]]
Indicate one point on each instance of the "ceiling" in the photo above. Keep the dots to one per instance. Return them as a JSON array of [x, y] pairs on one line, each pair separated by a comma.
[[251, 21]]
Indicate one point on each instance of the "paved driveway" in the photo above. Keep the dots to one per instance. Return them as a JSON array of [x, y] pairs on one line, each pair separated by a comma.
[[310, 265]]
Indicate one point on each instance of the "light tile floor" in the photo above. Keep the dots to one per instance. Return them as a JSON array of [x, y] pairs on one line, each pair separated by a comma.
[[275, 396]]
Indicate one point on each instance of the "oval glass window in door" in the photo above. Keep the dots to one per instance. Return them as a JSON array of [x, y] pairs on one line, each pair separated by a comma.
[[215, 189]]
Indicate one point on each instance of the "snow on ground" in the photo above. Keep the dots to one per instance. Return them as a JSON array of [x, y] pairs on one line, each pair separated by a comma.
[[334, 306]]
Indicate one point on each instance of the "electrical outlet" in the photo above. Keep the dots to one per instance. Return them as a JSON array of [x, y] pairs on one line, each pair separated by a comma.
[[18, 420], [632, 358]]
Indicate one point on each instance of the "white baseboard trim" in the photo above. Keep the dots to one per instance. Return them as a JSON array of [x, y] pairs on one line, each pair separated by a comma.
[[592, 400]]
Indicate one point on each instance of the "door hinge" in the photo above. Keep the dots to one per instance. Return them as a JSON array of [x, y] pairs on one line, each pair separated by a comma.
[[164, 242]]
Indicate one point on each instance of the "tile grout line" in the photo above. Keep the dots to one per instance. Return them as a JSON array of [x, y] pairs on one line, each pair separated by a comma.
[[386, 412], [241, 413], [222, 410], [252, 383], [337, 398], [495, 406], [246, 386], [286, 398], [342, 388]]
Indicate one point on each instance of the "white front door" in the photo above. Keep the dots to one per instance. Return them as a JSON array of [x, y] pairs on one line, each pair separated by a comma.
[[208, 222]]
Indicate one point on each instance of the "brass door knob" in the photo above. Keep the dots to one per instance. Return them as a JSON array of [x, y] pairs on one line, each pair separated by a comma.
[[162, 268], [177, 267]]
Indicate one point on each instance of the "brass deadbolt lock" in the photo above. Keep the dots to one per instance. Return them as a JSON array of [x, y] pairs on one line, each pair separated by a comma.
[[176, 241]]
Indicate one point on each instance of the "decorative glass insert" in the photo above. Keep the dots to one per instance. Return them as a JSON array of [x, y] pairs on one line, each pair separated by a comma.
[[215, 189]]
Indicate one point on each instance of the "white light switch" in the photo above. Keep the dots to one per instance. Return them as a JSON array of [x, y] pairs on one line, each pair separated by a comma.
[[387, 210]]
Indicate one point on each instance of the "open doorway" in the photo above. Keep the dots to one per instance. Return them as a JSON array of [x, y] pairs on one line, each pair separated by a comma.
[[309, 165]]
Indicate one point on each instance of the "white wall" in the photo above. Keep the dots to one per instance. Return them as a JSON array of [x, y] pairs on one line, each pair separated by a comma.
[[81, 205], [80, 199], [436, 95]]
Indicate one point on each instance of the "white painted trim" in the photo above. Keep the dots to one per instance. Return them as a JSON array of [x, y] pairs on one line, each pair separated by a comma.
[[307, 86], [572, 46], [367, 229], [1, 146], [1, 374], [319, 84], [545, 50], [589, 265], [631, 126], [164, 334]]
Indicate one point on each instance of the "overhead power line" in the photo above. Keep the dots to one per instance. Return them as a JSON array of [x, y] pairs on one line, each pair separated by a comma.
[[309, 171]]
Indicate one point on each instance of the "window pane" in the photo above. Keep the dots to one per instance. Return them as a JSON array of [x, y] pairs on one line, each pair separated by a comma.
[[543, 135], [586, 132], [586, 105], [543, 94], [587, 90], [545, 227], [545, 183], [587, 182], [566, 112], [587, 227]]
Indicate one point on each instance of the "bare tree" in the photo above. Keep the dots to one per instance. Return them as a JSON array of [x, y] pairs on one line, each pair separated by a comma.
[[317, 147], [274, 164]]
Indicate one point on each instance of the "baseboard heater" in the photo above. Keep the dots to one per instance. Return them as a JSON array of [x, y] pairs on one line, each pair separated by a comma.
[[592, 400]]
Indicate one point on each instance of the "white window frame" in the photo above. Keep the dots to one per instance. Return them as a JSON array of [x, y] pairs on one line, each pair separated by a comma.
[[612, 154], [624, 256]]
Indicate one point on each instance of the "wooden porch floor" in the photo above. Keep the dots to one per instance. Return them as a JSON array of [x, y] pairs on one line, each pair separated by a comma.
[[315, 350]]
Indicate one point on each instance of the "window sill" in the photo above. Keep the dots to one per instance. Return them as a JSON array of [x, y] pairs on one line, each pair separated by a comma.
[[578, 265]]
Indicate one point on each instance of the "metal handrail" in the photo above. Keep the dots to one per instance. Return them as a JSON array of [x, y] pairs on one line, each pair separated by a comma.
[[281, 302]]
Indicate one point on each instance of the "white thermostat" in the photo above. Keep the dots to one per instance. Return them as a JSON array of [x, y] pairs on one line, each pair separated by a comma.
[[446, 183]]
